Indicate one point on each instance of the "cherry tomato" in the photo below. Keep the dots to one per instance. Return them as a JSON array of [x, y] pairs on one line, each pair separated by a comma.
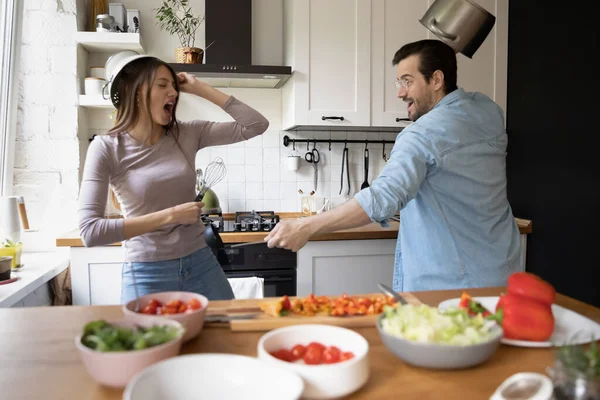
[[313, 355], [346, 355], [283, 355], [194, 304], [331, 355], [298, 352], [174, 303], [155, 303], [169, 310], [316, 345], [149, 309]]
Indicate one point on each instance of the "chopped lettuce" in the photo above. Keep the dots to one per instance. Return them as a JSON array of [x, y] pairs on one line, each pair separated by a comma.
[[429, 325]]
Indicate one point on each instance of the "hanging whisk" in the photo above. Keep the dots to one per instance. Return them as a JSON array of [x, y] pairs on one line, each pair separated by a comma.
[[215, 171]]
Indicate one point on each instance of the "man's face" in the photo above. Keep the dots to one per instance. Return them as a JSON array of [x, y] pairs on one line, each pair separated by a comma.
[[420, 96]]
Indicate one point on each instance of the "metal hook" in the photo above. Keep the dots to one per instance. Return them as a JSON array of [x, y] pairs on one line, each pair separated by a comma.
[[307, 144], [314, 144], [383, 153], [366, 144], [294, 144], [345, 143], [329, 144]]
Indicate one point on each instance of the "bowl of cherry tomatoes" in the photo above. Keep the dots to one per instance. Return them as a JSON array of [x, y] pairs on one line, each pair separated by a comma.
[[187, 308], [332, 361]]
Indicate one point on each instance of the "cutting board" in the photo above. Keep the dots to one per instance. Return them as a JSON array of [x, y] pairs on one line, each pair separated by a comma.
[[263, 322]]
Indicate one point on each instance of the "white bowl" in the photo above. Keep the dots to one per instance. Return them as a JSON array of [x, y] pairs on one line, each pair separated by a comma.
[[214, 377], [323, 381]]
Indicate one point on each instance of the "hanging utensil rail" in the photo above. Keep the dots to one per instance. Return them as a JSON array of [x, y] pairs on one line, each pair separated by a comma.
[[287, 140]]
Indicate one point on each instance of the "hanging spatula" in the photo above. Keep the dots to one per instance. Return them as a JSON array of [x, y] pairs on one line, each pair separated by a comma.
[[365, 184]]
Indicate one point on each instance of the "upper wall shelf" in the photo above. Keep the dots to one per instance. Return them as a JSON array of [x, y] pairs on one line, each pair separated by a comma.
[[110, 42], [94, 102]]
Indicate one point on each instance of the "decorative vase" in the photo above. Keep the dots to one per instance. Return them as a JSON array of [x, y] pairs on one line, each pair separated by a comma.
[[189, 55]]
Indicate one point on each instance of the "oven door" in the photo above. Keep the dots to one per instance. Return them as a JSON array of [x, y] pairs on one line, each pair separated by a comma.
[[278, 282]]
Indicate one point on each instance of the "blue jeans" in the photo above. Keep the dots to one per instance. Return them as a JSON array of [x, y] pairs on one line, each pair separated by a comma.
[[198, 272]]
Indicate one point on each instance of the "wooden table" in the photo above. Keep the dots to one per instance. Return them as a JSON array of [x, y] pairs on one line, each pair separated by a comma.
[[38, 359]]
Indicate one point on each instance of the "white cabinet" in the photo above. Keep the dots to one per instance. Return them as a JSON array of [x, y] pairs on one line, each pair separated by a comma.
[[96, 275], [395, 23], [341, 53], [327, 43], [345, 266]]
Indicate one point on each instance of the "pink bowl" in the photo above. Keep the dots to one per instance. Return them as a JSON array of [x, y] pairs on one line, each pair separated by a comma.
[[116, 368], [193, 321]]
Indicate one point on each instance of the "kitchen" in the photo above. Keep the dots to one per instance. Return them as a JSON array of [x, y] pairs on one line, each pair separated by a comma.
[[252, 182]]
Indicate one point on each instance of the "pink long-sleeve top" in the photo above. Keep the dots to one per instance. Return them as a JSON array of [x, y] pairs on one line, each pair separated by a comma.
[[150, 178]]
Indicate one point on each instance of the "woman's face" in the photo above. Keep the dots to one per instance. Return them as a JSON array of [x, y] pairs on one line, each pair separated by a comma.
[[163, 96]]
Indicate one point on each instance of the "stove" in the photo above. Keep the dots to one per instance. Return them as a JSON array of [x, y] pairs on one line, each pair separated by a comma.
[[245, 221], [276, 266]]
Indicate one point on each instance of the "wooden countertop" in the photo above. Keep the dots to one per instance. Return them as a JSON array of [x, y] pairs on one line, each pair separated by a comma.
[[371, 231], [40, 360]]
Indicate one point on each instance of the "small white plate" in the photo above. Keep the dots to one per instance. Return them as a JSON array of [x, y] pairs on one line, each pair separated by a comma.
[[569, 326], [214, 377]]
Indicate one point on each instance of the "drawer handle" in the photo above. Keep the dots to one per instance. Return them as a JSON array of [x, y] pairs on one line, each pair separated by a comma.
[[402, 119], [324, 118]]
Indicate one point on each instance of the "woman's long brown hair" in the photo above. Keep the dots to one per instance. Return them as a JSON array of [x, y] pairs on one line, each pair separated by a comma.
[[129, 86]]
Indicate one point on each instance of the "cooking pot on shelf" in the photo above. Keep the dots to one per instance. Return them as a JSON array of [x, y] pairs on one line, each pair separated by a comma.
[[461, 24]]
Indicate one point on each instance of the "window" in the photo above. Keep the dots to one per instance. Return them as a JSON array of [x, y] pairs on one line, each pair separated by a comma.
[[10, 13]]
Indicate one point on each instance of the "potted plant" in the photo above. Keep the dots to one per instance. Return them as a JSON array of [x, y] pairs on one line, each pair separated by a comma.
[[177, 18]]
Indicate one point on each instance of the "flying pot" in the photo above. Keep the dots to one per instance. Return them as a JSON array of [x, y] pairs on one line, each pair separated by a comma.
[[461, 24]]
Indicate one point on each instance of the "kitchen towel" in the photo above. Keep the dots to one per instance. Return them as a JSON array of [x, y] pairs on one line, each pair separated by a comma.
[[247, 288]]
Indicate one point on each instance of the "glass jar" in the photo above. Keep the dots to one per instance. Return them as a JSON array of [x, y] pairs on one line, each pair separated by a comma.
[[570, 384], [97, 7]]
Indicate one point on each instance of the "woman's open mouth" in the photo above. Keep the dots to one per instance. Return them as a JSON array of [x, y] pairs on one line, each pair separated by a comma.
[[169, 109]]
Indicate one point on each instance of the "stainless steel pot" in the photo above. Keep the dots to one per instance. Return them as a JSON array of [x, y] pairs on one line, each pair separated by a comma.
[[461, 24]]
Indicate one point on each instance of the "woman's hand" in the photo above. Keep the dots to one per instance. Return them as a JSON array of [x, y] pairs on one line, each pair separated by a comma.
[[188, 82], [186, 213]]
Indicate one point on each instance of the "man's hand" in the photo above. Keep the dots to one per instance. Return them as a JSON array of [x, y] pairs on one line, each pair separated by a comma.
[[290, 234]]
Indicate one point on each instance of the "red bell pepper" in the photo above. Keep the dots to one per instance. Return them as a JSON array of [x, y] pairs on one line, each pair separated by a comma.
[[532, 286], [473, 307], [523, 318]]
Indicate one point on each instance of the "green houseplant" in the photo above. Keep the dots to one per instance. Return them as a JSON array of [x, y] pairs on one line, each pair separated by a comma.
[[176, 17]]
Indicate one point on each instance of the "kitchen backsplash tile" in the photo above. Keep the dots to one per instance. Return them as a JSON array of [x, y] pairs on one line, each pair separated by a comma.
[[259, 177]]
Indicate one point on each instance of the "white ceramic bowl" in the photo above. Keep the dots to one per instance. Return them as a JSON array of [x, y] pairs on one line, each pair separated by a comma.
[[214, 377], [116, 368], [323, 381], [193, 321]]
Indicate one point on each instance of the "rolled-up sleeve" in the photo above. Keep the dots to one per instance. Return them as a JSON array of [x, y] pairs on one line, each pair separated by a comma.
[[412, 159]]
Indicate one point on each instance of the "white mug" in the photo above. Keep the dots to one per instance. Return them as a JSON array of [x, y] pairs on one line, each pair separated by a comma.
[[94, 86], [293, 162]]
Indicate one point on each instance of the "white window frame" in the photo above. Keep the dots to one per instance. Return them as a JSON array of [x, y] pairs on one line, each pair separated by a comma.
[[11, 17]]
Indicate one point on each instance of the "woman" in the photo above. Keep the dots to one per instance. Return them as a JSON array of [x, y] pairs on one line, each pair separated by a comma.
[[148, 160]]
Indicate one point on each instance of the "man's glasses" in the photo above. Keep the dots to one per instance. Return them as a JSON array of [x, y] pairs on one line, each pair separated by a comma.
[[404, 83]]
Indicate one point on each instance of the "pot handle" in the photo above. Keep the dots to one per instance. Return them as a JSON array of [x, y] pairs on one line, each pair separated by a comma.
[[433, 26]]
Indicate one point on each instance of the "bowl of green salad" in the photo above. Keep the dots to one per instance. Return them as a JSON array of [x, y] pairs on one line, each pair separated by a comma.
[[424, 336], [114, 351]]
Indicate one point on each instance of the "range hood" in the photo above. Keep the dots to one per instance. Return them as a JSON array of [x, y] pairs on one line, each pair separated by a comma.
[[228, 60], [238, 76]]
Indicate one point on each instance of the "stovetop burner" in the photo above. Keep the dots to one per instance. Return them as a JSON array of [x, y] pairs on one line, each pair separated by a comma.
[[245, 221]]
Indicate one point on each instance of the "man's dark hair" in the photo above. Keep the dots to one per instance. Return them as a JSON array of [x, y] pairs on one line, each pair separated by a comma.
[[433, 55]]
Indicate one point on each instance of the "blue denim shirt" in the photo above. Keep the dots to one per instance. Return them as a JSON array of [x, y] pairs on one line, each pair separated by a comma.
[[447, 177]]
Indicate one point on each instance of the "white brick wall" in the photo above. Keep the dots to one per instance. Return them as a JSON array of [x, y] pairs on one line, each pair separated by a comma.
[[47, 148]]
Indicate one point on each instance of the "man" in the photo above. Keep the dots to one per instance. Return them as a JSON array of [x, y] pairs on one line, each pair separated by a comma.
[[447, 175]]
